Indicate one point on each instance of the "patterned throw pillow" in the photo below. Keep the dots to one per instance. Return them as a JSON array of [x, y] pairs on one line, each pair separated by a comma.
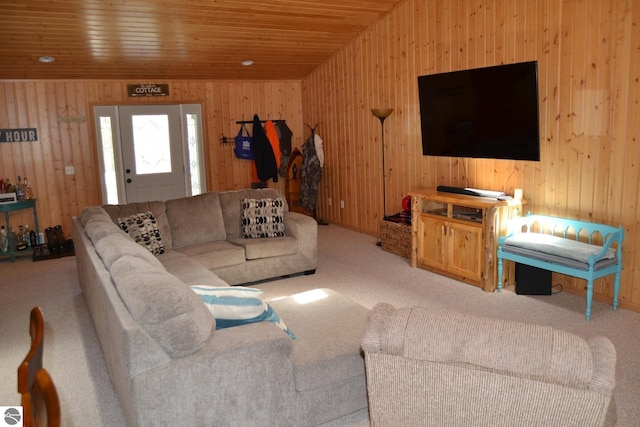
[[237, 305], [262, 218], [143, 228]]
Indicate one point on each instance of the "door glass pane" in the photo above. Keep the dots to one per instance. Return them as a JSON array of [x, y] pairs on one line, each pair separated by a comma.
[[194, 153], [151, 144], [106, 134]]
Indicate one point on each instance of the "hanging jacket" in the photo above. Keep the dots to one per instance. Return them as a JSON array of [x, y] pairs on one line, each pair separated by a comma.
[[319, 148], [285, 146], [310, 175], [263, 156], [272, 136]]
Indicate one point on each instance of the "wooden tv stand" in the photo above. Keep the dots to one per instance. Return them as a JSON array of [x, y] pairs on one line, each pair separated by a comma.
[[457, 235]]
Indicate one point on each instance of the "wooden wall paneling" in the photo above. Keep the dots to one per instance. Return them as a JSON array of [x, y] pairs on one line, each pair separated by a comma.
[[602, 68], [13, 150], [212, 114], [632, 237], [625, 142], [587, 104], [416, 172], [411, 132], [473, 36], [362, 119], [406, 129], [43, 174], [395, 149], [541, 194], [54, 185], [40, 103], [591, 194], [574, 132], [622, 176], [342, 155]]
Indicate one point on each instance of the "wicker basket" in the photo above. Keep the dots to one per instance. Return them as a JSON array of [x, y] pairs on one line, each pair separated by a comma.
[[396, 238]]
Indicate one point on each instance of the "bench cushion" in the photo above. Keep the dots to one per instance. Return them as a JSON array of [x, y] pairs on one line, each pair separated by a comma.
[[558, 260], [557, 246]]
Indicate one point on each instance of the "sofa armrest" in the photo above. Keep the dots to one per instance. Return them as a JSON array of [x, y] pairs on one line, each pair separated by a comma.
[[438, 335], [305, 230], [239, 372]]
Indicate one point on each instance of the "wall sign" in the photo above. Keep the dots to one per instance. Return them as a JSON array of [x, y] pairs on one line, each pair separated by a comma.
[[148, 90], [18, 135]]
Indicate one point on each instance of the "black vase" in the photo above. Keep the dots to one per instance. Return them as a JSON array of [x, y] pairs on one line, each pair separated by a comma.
[[52, 243], [59, 236]]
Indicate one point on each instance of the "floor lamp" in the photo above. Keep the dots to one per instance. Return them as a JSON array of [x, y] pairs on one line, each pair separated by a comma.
[[383, 113]]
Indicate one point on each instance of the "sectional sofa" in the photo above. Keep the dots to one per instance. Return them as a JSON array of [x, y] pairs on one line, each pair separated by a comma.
[[169, 361]]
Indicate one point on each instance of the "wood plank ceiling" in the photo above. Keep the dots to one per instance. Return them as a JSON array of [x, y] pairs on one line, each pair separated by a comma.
[[177, 39]]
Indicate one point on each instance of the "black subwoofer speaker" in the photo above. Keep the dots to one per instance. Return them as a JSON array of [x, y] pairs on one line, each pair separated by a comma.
[[532, 280]]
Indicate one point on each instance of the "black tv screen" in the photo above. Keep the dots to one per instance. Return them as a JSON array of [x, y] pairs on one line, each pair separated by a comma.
[[487, 112]]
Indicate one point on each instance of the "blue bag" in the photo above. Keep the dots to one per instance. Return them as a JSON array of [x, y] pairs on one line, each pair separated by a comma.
[[243, 144]]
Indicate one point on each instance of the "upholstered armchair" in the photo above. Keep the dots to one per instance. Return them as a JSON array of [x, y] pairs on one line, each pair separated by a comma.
[[435, 367]]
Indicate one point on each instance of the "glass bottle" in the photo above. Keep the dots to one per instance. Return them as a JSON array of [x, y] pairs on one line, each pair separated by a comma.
[[28, 191], [33, 239], [4, 240], [19, 189], [26, 236], [21, 245]]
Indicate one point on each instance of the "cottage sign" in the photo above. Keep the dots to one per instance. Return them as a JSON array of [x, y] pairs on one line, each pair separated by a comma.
[[18, 135], [148, 90]]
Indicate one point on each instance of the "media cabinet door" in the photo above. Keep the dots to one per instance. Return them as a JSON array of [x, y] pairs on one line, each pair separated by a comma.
[[432, 244], [465, 251]]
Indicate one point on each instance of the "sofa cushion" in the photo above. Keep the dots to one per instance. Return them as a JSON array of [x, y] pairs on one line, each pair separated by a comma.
[[167, 309], [99, 227], [264, 248], [188, 270], [231, 202], [262, 218], [91, 212], [196, 219], [158, 208], [236, 305], [143, 229], [117, 245], [215, 254]]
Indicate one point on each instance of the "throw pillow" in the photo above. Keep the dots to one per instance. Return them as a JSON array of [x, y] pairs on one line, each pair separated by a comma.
[[237, 305], [143, 229], [262, 218]]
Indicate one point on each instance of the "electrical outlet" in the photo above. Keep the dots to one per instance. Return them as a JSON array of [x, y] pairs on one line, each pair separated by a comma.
[[341, 204], [69, 170]]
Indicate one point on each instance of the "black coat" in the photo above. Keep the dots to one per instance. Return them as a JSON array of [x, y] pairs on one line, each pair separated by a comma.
[[266, 165]]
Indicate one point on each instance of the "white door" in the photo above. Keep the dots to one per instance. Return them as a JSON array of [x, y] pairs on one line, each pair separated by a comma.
[[152, 154], [131, 141]]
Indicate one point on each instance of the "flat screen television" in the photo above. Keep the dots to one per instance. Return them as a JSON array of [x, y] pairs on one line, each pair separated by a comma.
[[487, 112]]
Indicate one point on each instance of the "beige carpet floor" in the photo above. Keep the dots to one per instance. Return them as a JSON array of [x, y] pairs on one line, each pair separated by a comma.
[[349, 262]]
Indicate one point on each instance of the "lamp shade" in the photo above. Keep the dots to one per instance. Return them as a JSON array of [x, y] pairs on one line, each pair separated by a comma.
[[382, 113]]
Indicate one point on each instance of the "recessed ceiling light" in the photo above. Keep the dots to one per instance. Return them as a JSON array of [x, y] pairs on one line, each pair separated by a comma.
[[46, 59], [247, 62]]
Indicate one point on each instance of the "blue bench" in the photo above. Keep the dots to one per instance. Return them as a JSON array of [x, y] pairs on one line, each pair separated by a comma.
[[576, 248]]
